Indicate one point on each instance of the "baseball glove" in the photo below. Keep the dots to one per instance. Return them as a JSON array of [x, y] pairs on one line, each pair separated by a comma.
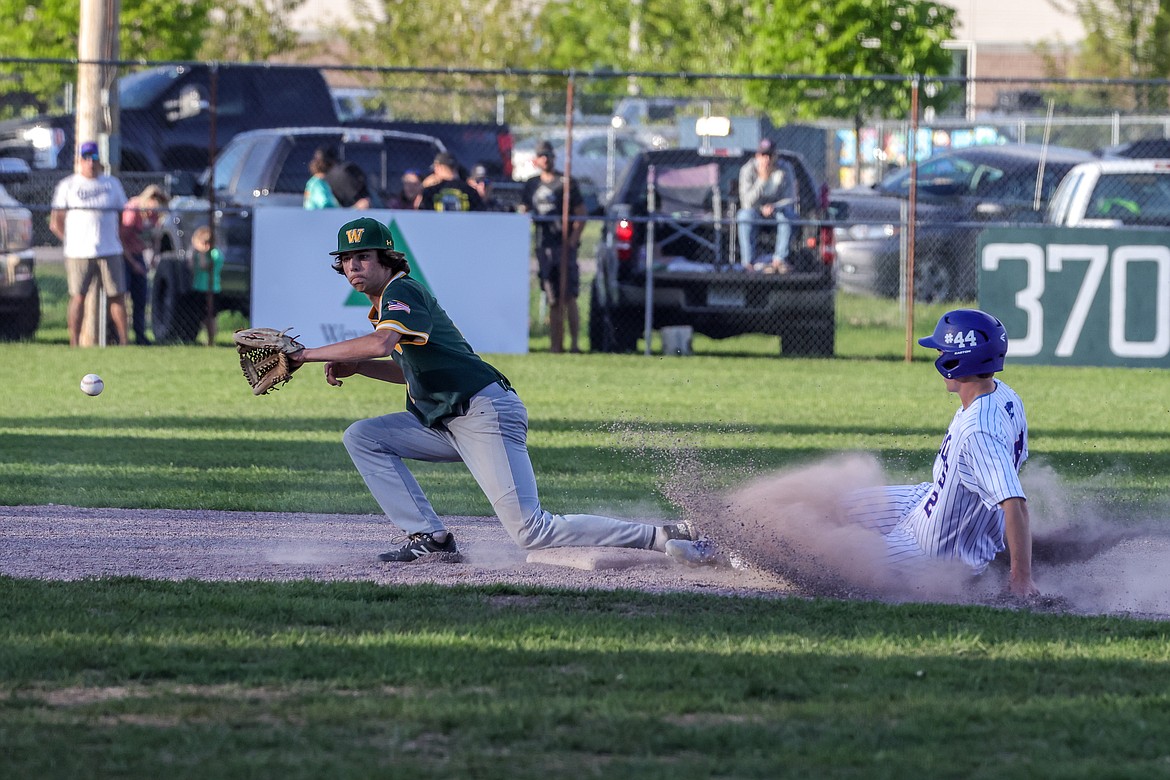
[[264, 357]]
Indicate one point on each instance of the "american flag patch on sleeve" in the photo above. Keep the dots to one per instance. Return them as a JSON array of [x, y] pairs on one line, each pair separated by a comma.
[[398, 306]]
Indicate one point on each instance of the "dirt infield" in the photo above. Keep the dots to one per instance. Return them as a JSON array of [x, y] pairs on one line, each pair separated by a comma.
[[57, 542], [69, 543]]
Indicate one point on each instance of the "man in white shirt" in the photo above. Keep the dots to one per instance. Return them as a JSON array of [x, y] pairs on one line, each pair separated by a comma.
[[87, 208]]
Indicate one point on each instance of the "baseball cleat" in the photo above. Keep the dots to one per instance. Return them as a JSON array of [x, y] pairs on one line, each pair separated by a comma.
[[694, 553], [424, 547]]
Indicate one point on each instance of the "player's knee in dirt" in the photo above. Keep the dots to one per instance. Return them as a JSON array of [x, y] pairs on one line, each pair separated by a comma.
[[532, 533]]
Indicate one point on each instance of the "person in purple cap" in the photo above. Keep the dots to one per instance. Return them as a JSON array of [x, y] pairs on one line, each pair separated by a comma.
[[86, 217], [765, 194]]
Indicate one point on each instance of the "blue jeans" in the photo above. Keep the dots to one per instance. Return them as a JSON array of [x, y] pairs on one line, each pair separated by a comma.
[[748, 222]]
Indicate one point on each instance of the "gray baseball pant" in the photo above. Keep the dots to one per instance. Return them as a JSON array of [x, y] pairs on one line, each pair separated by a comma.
[[491, 439]]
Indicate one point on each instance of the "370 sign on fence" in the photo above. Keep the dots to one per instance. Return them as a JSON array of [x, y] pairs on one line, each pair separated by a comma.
[[1075, 296]]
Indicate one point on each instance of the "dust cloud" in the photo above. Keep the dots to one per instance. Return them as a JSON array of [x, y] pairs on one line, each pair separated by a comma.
[[1092, 554]]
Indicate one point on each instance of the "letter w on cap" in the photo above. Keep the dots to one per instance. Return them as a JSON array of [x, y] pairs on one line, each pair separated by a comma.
[[354, 236]]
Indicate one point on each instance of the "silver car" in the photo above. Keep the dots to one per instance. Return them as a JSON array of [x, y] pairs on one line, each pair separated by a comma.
[[20, 302]]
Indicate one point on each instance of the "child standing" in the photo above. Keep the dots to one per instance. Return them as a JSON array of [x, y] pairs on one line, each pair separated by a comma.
[[206, 265]]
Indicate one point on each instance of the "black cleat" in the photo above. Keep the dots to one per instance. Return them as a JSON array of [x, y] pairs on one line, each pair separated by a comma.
[[424, 547]]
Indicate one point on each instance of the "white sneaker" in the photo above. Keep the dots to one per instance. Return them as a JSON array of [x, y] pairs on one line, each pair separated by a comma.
[[701, 552]]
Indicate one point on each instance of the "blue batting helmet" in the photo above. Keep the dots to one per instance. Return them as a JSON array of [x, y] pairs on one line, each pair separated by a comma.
[[972, 342]]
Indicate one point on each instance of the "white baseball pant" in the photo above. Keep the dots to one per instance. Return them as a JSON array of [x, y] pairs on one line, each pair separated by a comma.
[[491, 439]]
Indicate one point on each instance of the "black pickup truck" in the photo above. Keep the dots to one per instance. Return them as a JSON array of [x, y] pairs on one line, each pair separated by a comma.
[[166, 119], [258, 169], [685, 200]]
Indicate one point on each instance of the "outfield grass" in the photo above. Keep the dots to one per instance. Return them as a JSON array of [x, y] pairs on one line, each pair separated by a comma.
[[128, 678]]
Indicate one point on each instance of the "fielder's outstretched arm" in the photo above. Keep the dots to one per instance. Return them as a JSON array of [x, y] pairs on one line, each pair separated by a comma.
[[363, 355], [1017, 529]]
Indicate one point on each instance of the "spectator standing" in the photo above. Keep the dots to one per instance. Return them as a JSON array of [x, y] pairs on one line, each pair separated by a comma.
[[139, 229], [482, 183], [443, 190], [407, 196], [206, 267], [765, 193], [543, 196], [348, 181], [85, 216], [318, 193]]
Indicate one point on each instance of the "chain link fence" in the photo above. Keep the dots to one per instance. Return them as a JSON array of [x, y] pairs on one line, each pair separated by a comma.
[[673, 251]]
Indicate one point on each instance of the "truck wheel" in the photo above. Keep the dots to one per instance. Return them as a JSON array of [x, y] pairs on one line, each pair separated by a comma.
[[26, 316], [176, 313], [609, 329], [933, 282], [815, 339]]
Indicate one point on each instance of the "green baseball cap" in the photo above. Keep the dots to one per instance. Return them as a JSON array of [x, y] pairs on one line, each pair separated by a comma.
[[364, 233]]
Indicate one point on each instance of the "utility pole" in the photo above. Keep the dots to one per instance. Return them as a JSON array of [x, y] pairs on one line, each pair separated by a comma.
[[635, 45], [97, 120]]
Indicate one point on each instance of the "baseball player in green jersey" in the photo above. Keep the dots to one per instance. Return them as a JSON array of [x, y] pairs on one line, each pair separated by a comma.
[[459, 408]]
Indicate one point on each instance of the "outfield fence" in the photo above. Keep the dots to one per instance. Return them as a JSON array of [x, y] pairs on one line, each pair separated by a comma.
[[912, 236]]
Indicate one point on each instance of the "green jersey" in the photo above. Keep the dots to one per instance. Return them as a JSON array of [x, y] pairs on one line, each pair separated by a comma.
[[442, 371]]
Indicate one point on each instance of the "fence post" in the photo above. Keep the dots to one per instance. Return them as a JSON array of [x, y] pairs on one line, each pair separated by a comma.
[[212, 117], [648, 320], [912, 201]]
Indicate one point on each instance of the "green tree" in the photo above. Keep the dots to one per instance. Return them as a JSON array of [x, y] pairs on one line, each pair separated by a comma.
[[1124, 39], [859, 39], [250, 30], [48, 29], [479, 34], [659, 36]]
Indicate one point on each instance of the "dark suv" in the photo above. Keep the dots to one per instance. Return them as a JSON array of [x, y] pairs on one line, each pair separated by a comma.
[[257, 169], [695, 279]]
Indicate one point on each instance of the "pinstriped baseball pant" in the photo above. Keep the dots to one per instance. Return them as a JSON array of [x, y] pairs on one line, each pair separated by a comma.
[[491, 440], [880, 509]]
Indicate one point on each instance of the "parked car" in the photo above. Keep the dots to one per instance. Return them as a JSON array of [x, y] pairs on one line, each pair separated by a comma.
[[1113, 193], [959, 193], [257, 169], [1141, 148], [594, 168], [166, 118], [20, 301], [696, 280], [354, 104], [472, 143]]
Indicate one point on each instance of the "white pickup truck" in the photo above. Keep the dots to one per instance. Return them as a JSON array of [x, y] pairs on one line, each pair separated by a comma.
[[1113, 193]]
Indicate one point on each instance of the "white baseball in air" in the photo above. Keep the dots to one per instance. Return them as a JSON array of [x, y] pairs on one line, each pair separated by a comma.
[[92, 384]]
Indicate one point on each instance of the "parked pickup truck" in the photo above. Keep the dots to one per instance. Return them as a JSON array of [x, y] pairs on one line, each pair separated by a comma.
[[1113, 193], [260, 168], [166, 119], [695, 279]]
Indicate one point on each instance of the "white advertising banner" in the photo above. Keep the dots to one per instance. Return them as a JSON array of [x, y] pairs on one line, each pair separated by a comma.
[[476, 264]]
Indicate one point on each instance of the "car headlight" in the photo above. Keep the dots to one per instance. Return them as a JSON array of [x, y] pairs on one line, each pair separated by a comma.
[[864, 232]]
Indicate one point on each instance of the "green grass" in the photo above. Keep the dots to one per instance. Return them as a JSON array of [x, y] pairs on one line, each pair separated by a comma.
[[603, 428], [131, 678]]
